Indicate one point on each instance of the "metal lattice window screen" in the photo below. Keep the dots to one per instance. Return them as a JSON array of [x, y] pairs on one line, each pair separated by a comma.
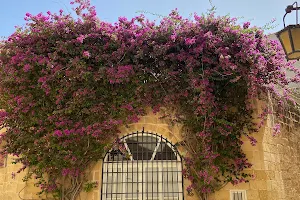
[[238, 195], [152, 171]]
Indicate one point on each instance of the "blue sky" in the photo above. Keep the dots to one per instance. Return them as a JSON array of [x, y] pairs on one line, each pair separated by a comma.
[[258, 12]]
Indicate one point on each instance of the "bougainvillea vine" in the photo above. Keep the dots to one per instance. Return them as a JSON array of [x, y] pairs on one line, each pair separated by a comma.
[[68, 84]]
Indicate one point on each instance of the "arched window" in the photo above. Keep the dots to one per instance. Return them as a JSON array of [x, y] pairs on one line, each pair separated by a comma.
[[147, 166]]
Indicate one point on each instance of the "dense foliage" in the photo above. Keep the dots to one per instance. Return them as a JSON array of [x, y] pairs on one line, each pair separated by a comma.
[[68, 84]]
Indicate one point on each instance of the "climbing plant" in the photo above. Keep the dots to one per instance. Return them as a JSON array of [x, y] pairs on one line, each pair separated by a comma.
[[68, 84]]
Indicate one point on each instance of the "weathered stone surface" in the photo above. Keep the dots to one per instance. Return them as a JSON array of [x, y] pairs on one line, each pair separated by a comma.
[[276, 165]]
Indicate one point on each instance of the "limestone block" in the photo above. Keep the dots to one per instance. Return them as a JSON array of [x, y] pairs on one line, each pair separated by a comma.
[[96, 176], [149, 127], [252, 194], [247, 145], [241, 186], [260, 174], [273, 195], [138, 127], [249, 154], [258, 185], [191, 197], [151, 119], [162, 130], [263, 194], [267, 156], [221, 195]]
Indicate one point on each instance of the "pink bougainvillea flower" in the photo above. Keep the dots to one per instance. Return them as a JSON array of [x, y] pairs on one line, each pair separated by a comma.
[[80, 38], [26, 68], [276, 129], [86, 54]]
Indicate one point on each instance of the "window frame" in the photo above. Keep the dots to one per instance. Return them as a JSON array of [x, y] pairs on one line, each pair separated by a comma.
[[140, 166]]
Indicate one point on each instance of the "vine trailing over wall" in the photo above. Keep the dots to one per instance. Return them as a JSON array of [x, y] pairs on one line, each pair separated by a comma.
[[69, 84]]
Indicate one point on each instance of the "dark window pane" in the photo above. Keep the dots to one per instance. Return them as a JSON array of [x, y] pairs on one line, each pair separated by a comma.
[[164, 152], [116, 155], [141, 147]]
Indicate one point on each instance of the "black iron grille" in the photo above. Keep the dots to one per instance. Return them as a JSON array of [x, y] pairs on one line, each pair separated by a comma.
[[145, 166]]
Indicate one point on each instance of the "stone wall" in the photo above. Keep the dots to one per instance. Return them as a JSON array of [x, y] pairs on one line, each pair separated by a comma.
[[282, 155], [9, 186], [275, 159], [12, 186], [276, 163], [256, 189], [150, 123]]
